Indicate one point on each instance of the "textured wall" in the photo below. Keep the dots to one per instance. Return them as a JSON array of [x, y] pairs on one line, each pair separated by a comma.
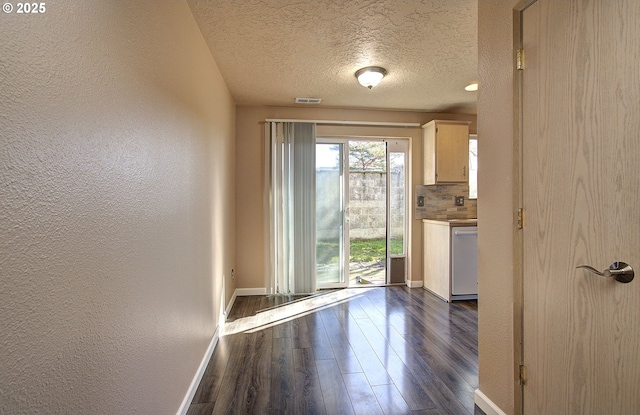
[[250, 173], [116, 206], [496, 204]]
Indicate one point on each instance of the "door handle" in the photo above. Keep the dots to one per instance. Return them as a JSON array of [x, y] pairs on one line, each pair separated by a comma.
[[620, 271]]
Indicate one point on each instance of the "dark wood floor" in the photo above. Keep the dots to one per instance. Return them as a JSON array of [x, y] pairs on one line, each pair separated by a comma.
[[385, 350]]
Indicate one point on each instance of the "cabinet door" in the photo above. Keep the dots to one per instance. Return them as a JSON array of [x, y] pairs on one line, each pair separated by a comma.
[[452, 153]]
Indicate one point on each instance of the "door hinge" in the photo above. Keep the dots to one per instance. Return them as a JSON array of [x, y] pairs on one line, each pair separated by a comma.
[[520, 59], [521, 375], [520, 218]]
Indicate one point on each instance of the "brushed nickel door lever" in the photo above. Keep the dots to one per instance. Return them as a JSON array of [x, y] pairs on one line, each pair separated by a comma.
[[620, 271]]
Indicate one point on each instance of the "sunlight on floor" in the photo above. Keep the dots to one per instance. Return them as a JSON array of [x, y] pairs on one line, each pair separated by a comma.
[[361, 273], [291, 311]]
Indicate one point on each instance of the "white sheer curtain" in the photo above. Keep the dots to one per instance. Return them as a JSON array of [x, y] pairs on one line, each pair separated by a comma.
[[290, 157]]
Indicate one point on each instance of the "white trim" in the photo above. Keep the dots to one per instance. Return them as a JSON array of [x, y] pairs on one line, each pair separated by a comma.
[[414, 283], [231, 302], [365, 123], [195, 382], [241, 292], [486, 404]]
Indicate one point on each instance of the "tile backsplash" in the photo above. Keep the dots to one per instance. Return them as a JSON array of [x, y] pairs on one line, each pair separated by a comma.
[[439, 202]]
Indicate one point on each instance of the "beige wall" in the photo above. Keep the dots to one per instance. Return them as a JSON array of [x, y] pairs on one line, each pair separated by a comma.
[[250, 173], [496, 205], [116, 207]]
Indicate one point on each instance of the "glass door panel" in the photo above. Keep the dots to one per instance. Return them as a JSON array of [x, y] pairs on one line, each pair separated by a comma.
[[397, 153], [397, 206], [331, 250], [367, 212]]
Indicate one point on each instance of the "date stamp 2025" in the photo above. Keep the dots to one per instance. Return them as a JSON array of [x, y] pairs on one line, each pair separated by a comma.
[[25, 8]]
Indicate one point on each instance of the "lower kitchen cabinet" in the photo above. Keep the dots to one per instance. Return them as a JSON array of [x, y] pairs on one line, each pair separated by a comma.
[[450, 258]]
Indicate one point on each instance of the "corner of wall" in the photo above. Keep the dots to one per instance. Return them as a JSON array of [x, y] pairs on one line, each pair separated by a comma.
[[496, 340], [415, 283]]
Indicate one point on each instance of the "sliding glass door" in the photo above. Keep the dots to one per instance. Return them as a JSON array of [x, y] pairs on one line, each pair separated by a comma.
[[332, 252], [361, 212]]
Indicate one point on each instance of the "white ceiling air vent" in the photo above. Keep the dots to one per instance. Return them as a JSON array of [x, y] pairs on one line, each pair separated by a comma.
[[308, 100]]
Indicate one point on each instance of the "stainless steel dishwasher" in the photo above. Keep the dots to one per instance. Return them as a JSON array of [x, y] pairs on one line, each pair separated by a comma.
[[464, 263]]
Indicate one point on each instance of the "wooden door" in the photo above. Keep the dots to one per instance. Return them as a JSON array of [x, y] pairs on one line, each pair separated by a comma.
[[581, 185]]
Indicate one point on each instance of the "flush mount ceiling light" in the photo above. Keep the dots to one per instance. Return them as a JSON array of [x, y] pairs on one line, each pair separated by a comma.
[[471, 87], [370, 76]]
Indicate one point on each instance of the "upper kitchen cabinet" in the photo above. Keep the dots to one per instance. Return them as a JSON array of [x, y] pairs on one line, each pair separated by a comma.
[[446, 152]]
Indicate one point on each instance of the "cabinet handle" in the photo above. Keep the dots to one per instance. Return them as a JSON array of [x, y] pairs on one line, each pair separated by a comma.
[[464, 171]]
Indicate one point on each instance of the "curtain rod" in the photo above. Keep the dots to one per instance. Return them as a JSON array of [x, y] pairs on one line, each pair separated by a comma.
[[361, 123]]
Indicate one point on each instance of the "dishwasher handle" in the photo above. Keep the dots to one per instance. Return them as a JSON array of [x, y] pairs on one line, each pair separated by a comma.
[[465, 232]]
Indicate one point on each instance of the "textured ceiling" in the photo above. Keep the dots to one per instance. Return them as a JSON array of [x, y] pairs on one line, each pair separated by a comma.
[[272, 51]]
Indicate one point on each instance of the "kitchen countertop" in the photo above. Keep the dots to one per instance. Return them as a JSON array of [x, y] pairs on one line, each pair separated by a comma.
[[452, 222]]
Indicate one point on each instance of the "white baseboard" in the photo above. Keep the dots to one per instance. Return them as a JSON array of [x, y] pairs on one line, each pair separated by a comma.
[[250, 291], [184, 406], [228, 309], [486, 404], [414, 283]]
